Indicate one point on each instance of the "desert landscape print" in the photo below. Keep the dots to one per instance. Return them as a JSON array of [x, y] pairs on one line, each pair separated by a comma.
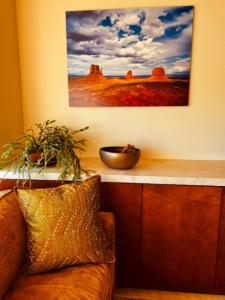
[[129, 57]]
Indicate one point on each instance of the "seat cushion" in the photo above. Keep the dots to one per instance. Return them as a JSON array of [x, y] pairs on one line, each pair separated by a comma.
[[86, 282]]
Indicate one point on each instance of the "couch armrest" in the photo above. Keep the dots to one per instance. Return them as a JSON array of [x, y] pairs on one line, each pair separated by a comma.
[[12, 240], [108, 223]]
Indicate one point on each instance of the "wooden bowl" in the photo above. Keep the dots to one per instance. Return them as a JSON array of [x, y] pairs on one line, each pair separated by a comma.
[[113, 157]]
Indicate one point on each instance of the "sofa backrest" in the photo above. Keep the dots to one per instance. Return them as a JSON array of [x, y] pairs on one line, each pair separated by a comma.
[[12, 240]]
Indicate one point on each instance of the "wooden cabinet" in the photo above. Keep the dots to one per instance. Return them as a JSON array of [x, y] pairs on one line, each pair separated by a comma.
[[167, 235], [11, 183], [125, 201], [220, 270], [180, 232]]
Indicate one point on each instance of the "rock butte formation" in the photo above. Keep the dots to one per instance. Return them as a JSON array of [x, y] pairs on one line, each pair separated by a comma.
[[95, 73], [129, 75], [158, 74], [95, 69], [158, 71]]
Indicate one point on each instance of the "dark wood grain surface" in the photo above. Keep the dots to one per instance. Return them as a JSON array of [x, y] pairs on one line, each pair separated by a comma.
[[125, 201], [220, 270], [180, 231], [11, 183]]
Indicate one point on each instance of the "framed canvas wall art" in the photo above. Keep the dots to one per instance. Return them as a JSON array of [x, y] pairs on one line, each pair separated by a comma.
[[129, 57]]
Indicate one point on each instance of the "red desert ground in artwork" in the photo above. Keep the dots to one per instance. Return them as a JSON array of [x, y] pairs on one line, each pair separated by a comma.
[[156, 90]]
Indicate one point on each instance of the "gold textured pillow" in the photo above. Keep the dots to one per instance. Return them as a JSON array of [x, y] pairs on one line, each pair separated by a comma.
[[63, 226]]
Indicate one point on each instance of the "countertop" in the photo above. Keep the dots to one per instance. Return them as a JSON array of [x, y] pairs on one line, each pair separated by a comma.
[[157, 171]]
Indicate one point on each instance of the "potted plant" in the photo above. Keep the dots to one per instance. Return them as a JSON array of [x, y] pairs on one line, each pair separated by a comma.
[[48, 144]]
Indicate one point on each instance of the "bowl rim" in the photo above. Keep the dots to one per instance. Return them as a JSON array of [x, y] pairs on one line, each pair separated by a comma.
[[108, 148]]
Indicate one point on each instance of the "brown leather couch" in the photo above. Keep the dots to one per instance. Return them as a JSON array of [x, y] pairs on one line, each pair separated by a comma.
[[86, 282]]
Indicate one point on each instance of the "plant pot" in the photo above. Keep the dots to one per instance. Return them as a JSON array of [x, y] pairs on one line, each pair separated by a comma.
[[36, 158]]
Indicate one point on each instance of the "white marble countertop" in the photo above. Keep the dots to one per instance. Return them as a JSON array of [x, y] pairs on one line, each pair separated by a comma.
[[157, 171]]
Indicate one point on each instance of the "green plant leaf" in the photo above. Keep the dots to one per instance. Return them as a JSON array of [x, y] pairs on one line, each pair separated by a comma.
[[52, 141]]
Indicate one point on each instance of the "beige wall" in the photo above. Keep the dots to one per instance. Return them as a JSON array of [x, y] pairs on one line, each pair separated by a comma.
[[10, 96], [193, 132]]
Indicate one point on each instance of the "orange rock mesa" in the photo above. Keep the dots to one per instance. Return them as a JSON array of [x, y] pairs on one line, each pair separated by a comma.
[[95, 73], [158, 74], [129, 75]]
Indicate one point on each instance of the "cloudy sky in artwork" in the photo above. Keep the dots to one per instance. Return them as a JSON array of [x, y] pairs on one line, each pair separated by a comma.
[[119, 40]]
